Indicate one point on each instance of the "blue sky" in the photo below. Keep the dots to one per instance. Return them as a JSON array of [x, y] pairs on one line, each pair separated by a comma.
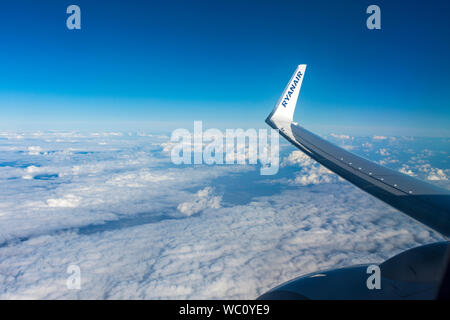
[[159, 65]]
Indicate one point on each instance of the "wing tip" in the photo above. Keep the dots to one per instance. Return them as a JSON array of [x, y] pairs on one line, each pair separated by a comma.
[[286, 104]]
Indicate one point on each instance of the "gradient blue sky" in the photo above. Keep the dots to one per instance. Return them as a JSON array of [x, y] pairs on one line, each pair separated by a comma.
[[148, 65]]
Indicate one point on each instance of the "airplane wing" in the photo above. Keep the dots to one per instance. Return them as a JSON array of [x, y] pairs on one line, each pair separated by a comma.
[[422, 201]]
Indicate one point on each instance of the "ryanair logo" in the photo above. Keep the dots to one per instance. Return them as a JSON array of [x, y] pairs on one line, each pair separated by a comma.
[[292, 88]]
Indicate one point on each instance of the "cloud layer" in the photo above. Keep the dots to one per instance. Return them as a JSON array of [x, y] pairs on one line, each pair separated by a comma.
[[140, 227]]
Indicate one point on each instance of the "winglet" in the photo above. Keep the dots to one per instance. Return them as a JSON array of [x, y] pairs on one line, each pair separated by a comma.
[[285, 107]]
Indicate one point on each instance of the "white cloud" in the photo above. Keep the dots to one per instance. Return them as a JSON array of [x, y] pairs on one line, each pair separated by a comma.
[[314, 175], [31, 171], [349, 147], [140, 228], [203, 199], [340, 136], [69, 201], [34, 150], [297, 158], [383, 152], [227, 253], [311, 171], [405, 169], [437, 174]]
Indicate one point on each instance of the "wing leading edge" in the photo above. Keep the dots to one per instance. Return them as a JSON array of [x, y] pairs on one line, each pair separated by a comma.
[[422, 201]]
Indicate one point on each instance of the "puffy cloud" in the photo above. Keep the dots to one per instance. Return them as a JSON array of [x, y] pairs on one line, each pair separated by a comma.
[[139, 227], [349, 147], [203, 199], [437, 174], [405, 169], [107, 134], [297, 158], [314, 175], [379, 137], [82, 183], [227, 253], [383, 152], [311, 172], [30, 172], [69, 201], [34, 150], [430, 173], [340, 136]]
